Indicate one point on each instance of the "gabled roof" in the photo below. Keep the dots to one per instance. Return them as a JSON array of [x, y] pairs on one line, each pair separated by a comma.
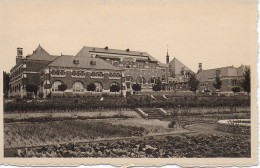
[[228, 71], [41, 54], [86, 51], [83, 62], [177, 66]]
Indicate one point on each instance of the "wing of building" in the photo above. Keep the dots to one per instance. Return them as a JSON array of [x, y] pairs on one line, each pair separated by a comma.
[[230, 77]]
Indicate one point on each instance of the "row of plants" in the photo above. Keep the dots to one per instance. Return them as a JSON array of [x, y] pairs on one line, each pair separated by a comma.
[[195, 146], [31, 134], [113, 104]]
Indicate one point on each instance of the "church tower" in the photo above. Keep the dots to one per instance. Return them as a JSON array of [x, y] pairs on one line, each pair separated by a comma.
[[167, 57]]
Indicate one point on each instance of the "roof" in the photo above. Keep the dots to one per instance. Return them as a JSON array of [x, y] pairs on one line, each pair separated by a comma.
[[177, 66], [41, 54], [229, 71], [86, 51], [84, 62]]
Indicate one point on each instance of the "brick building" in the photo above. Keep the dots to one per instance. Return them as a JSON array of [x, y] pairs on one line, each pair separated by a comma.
[[102, 66], [27, 70], [230, 77]]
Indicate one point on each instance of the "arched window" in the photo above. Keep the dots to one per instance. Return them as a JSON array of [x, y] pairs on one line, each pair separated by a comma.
[[78, 87], [114, 83], [55, 86], [128, 79], [99, 87], [140, 80]]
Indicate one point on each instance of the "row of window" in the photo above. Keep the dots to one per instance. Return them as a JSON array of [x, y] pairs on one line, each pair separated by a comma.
[[82, 73], [131, 64], [15, 88], [79, 86]]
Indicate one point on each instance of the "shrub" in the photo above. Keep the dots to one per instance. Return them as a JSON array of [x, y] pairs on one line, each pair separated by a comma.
[[172, 124], [41, 95]]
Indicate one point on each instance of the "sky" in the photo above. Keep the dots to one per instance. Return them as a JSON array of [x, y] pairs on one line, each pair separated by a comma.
[[216, 33]]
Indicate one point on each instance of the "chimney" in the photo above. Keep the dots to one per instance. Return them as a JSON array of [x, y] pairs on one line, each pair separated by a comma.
[[19, 54], [200, 67]]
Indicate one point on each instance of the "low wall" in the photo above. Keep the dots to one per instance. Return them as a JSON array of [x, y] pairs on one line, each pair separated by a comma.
[[239, 126]]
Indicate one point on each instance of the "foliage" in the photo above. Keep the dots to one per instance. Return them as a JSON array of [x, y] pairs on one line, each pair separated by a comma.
[[236, 89], [41, 95], [178, 146], [193, 82], [172, 124], [6, 80], [32, 88], [158, 86], [62, 87], [136, 87], [114, 88], [217, 83], [246, 81], [91, 87]]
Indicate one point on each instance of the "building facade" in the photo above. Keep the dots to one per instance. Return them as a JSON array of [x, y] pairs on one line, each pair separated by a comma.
[[230, 77], [102, 66]]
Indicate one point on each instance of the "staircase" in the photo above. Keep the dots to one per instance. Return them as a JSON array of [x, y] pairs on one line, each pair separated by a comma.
[[152, 113]]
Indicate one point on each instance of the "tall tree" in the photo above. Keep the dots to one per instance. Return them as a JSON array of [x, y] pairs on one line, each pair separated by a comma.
[[6, 80], [246, 81], [193, 83], [218, 83]]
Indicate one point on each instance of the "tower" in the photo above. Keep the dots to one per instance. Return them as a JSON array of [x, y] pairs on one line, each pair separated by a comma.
[[167, 57], [19, 54]]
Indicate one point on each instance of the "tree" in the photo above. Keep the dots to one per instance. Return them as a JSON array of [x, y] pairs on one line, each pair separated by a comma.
[[32, 88], [218, 83], [236, 89], [62, 87], [193, 83], [136, 87], [6, 80], [91, 87], [114, 88], [158, 86], [246, 81]]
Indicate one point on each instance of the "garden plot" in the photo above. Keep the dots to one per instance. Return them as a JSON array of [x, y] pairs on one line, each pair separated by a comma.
[[36, 134]]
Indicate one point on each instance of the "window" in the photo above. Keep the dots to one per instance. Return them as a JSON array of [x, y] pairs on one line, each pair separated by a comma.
[[152, 80], [140, 80], [114, 83], [99, 87], [97, 75], [55, 86], [78, 87], [115, 63], [233, 82], [128, 79], [141, 65]]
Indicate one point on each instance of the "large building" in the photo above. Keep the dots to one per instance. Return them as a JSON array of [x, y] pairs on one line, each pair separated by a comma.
[[102, 66], [230, 77]]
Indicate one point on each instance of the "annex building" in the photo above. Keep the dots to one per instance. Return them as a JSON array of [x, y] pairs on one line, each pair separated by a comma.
[[230, 77]]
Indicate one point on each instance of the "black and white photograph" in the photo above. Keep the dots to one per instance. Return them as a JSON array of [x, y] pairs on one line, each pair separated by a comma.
[[140, 80]]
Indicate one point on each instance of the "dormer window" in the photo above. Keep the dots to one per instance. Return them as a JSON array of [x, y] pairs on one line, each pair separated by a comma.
[[93, 62], [127, 50], [106, 48]]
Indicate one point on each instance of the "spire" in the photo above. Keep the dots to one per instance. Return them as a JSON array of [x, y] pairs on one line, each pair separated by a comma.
[[167, 56]]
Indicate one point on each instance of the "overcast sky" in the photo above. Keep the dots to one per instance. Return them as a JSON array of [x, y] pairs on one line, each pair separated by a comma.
[[216, 33]]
